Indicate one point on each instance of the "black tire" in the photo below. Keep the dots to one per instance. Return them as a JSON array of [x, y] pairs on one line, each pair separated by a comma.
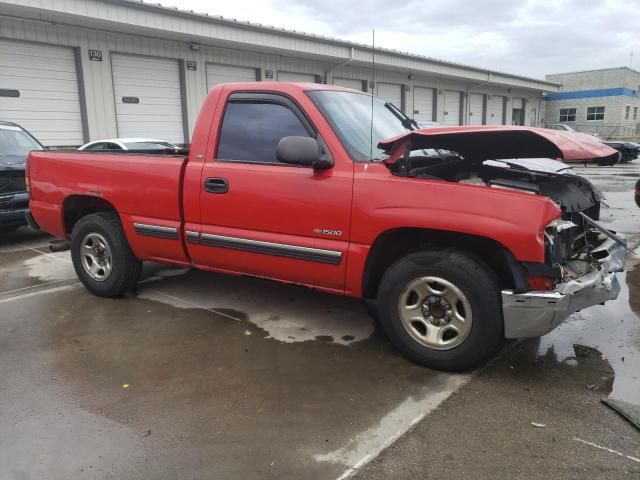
[[125, 267], [480, 289], [371, 307]]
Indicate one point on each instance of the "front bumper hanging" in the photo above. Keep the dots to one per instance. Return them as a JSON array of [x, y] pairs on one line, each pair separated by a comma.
[[534, 314]]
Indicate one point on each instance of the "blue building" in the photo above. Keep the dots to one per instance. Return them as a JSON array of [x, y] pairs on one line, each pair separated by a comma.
[[603, 101]]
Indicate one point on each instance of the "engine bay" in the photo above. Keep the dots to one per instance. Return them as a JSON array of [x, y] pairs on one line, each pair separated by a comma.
[[575, 195], [571, 192]]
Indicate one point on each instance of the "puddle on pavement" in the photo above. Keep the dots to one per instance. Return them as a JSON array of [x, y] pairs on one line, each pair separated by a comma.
[[603, 342], [26, 268], [286, 313], [50, 267], [202, 395]]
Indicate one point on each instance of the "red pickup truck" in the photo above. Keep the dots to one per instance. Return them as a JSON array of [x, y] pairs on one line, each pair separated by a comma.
[[337, 190]]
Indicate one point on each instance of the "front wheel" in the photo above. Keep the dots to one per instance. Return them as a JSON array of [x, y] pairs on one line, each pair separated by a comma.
[[442, 309], [102, 257]]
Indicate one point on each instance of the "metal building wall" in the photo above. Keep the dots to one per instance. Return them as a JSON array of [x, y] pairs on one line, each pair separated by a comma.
[[101, 118]]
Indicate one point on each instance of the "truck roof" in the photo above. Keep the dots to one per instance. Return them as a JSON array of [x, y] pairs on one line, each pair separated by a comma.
[[285, 86]]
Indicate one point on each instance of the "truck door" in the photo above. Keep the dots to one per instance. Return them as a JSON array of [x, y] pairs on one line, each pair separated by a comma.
[[265, 218]]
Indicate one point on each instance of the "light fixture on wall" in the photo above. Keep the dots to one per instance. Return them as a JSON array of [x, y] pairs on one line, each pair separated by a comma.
[[194, 47]]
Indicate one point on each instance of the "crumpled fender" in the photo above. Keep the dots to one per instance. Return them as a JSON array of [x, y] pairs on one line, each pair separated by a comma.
[[514, 219]]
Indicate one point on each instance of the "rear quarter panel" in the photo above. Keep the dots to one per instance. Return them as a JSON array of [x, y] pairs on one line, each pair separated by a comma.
[[141, 188]]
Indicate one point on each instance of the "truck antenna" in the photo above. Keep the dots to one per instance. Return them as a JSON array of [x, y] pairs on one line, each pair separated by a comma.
[[373, 84]]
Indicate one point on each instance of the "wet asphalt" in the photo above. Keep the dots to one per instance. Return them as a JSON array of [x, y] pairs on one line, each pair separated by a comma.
[[199, 375]]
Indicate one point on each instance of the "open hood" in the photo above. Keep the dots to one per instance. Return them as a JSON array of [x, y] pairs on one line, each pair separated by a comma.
[[480, 143]]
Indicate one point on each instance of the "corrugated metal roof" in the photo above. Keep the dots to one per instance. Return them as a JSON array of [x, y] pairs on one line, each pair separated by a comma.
[[595, 70], [294, 33]]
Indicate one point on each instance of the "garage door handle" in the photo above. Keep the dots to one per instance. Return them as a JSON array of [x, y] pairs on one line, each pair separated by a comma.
[[216, 185]]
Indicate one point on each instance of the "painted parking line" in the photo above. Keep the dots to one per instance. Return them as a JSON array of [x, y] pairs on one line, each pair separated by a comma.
[[37, 288], [600, 447], [61, 288], [48, 254], [366, 446]]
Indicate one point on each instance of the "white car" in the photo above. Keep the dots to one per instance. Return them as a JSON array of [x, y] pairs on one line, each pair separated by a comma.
[[567, 128], [561, 126], [128, 144]]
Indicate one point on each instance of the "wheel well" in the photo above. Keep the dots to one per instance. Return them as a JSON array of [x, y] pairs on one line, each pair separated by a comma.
[[394, 244], [77, 206]]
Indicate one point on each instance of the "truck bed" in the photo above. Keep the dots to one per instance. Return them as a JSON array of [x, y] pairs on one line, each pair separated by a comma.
[[143, 188]]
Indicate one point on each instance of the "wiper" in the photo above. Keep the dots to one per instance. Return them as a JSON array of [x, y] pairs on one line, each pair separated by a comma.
[[408, 123]]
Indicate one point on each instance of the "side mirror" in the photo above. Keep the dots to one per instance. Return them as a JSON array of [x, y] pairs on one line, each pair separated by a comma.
[[303, 151]]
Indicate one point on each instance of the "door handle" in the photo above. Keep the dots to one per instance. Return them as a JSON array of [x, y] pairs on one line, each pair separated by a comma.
[[216, 185]]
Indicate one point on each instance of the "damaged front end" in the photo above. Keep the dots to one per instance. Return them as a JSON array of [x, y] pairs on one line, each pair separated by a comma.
[[581, 257], [586, 259]]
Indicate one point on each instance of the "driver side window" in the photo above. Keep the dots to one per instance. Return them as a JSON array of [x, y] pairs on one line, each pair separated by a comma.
[[251, 130]]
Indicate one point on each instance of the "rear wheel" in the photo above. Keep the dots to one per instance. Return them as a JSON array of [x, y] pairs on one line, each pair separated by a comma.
[[441, 309], [102, 257]]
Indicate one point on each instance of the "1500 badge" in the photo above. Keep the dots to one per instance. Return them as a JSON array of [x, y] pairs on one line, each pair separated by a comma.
[[326, 231]]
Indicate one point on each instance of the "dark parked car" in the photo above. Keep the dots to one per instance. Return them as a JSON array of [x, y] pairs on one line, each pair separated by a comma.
[[15, 145], [629, 150]]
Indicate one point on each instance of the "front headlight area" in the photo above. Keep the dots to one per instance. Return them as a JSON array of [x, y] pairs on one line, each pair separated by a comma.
[[560, 236], [571, 250]]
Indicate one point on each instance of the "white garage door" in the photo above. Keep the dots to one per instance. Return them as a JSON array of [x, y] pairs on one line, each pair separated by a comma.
[[296, 77], [495, 110], [476, 102], [422, 104], [217, 74], [390, 92], [147, 97], [39, 90], [451, 114], [348, 83]]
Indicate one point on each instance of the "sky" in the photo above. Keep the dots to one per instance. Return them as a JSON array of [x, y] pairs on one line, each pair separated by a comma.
[[523, 37]]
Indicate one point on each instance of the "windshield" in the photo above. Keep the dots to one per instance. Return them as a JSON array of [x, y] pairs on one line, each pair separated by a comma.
[[349, 114], [15, 142], [148, 145]]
